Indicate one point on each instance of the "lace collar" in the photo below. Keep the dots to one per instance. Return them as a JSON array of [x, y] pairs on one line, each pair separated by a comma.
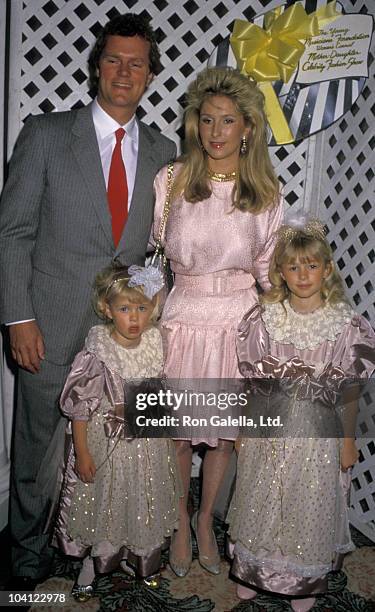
[[305, 331], [113, 354]]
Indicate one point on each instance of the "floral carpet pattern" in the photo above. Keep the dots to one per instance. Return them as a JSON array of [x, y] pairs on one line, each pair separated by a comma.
[[350, 590]]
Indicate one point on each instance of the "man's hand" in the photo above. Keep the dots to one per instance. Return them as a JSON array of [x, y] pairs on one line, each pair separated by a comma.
[[26, 342]]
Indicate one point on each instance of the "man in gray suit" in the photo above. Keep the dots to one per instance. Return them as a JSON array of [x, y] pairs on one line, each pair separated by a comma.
[[55, 235]]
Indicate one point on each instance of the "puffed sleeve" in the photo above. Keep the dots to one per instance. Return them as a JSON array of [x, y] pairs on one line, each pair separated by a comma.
[[356, 349], [83, 389], [160, 192], [261, 263], [252, 342]]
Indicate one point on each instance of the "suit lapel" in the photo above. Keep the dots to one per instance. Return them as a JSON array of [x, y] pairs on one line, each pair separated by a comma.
[[86, 151]]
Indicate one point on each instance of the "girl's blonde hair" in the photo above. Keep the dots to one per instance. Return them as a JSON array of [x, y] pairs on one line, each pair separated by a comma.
[[112, 282], [296, 243], [256, 186]]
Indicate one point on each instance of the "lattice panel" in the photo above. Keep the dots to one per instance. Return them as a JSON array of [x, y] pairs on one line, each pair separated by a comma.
[[348, 204], [290, 164], [362, 512], [57, 37], [349, 211]]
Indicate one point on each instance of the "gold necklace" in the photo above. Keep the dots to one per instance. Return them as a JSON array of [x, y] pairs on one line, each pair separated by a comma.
[[219, 177]]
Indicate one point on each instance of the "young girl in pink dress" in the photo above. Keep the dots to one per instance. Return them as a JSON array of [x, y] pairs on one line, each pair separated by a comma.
[[288, 517], [119, 498]]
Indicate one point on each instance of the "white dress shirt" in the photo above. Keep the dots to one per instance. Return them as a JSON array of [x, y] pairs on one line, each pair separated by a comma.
[[105, 128]]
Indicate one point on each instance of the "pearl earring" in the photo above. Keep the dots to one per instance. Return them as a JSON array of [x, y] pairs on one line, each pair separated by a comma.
[[243, 147]]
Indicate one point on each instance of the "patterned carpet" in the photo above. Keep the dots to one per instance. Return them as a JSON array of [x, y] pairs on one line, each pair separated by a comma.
[[350, 590]]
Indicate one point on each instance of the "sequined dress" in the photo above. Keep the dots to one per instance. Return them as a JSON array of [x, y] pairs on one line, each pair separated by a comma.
[[288, 516], [130, 509], [217, 253]]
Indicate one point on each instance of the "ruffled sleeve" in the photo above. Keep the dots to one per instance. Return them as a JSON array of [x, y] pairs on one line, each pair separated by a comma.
[[261, 263], [252, 343], [355, 350], [83, 389]]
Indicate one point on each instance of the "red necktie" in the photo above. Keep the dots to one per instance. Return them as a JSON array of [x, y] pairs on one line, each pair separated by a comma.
[[118, 189]]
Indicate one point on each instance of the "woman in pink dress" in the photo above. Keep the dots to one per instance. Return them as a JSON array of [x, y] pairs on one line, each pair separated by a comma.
[[219, 237]]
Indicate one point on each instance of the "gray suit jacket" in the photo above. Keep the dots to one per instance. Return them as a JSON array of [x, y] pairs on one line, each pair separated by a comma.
[[55, 227]]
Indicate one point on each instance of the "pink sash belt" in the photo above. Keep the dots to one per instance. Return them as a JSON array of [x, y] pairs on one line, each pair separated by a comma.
[[212, 284]]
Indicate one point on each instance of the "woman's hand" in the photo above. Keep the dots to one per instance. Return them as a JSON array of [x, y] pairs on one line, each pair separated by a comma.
[[85, 467], [349, 454]]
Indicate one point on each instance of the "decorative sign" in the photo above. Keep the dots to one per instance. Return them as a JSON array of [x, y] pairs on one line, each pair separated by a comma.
[[339, 51], [311, 66]]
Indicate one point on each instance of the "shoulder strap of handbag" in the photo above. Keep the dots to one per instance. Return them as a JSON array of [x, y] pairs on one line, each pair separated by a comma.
[[167, 206]]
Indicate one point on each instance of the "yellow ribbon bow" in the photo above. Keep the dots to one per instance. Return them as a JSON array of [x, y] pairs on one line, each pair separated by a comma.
[[273, 53]]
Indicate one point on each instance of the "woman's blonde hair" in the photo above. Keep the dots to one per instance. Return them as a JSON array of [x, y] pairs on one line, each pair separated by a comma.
[[298, 243], [112, 282], [256, 186]]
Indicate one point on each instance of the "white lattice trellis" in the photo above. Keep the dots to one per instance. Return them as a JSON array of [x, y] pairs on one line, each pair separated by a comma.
[[348, 203], [57, 36], [345, 193], [331, 173]]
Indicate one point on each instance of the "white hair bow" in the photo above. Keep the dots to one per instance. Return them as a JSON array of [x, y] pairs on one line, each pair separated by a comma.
[[150, 278]]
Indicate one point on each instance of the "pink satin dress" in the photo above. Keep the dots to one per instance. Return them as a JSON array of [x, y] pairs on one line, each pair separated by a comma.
[[288, 516], [130, 509], [217, 253]]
